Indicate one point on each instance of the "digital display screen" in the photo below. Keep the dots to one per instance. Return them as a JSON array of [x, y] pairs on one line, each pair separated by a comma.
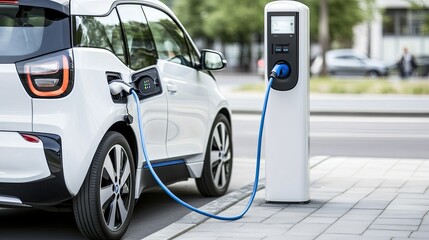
[[282, 25]]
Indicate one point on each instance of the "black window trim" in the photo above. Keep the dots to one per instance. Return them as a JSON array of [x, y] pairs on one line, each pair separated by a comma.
[[73, 30], [124, 39], [66, 31], [184, 32], [127, 52], [55, 5]]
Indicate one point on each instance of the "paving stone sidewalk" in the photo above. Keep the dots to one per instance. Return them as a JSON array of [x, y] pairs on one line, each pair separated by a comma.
[[351, 199]]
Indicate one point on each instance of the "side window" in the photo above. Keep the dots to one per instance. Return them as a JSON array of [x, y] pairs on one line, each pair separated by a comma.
[[140, 44], [169, 39], [100, 32]]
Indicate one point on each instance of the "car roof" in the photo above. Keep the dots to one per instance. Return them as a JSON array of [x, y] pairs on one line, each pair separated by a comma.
[[344, 51], [103, 7]]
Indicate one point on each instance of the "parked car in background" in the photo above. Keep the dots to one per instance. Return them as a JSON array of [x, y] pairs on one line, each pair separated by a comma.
[[349, 62], [422, 66]]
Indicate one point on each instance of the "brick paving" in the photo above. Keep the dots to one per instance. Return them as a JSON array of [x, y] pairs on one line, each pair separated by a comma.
[[351, 199]]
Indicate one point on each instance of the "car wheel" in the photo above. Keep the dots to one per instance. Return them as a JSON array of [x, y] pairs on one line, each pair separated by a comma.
[[373, 74], [105, 202], [217, 168]]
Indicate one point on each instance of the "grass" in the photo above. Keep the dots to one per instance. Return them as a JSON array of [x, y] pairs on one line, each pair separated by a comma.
[[357, 86]]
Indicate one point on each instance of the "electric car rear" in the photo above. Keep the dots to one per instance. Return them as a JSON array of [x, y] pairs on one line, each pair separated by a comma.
[[64, 138]]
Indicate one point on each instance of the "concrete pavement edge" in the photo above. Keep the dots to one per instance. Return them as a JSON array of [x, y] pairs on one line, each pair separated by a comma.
[[192, 219]]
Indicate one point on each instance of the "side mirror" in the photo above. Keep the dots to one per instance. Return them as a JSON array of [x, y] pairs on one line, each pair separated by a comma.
[[212, 60]]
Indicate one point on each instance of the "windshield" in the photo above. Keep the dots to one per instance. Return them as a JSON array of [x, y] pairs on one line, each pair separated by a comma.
[[26, 32]]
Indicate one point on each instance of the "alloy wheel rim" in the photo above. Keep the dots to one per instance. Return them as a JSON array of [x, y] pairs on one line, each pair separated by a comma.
[[115, 188], [220, 156]]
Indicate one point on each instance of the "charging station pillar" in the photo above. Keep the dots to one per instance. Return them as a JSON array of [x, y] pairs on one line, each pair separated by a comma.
[[287, 171]]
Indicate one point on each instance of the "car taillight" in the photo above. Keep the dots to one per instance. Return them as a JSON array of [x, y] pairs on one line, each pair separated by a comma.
[[8, 2], [49, 76], [30, 138]]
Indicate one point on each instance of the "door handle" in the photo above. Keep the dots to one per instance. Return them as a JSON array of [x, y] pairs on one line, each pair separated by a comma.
[[171, 88]]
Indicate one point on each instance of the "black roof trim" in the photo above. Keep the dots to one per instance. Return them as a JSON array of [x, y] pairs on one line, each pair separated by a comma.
[[58, 5]]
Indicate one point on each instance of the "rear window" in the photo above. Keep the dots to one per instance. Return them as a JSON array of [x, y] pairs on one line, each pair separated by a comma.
[[27, 32]]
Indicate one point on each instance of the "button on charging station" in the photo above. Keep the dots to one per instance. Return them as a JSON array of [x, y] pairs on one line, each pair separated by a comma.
[[285, 49], [281, 48], [278, 49]]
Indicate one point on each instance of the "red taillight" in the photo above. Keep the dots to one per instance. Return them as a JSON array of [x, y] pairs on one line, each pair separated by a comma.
[[9, 2], [30, 138], [48, 76]]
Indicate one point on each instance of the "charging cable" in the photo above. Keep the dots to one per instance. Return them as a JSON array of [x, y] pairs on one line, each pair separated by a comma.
[[279, 71]]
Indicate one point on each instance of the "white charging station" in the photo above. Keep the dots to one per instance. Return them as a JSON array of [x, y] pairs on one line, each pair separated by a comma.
[[287, 171]]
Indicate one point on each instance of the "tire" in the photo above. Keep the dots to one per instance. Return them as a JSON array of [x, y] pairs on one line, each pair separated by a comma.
[[92, 207], [373, 74], [218, 160]]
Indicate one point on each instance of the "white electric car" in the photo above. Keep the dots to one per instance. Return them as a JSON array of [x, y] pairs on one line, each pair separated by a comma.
[[66, 141]]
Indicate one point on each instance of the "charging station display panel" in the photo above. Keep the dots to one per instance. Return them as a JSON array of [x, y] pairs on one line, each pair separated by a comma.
[[282, 25], [283, 46]]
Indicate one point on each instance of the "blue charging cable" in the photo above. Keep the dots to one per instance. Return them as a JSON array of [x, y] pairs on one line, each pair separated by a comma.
[[280, 70]]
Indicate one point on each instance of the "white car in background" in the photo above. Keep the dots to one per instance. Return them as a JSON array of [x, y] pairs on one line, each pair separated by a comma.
[[66, 141], [349, 62]]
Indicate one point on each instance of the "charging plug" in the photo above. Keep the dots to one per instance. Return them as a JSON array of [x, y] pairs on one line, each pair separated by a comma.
[[280, 71], [117, 86]]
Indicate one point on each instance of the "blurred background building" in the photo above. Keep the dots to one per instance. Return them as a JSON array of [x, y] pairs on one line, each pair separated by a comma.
[[396, 24]]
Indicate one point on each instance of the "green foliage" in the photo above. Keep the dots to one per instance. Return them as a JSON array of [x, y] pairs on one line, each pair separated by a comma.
[[355, 86], [238, 20], [343, 16], [231, 21], [235, 21], [192, 14]]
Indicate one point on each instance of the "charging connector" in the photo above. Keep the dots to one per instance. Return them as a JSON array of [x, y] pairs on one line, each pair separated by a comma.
[[280, 71], [118, 86]]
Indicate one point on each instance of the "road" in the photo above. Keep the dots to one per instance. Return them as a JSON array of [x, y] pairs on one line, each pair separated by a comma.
[[392, 137], [403, 137]]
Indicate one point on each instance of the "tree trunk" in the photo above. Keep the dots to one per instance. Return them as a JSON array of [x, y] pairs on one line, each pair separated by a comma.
[[324, 33], [244, 56]]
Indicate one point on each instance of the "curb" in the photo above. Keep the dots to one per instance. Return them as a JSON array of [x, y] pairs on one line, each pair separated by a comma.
[[345, 113], [192, 220]]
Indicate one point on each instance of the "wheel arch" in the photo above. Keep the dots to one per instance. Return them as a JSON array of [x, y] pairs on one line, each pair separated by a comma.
[[128, 133], [227, 114]]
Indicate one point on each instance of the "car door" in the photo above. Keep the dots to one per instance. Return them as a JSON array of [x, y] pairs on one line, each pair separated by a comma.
[[142, 54], [349, 65], [186, 92]]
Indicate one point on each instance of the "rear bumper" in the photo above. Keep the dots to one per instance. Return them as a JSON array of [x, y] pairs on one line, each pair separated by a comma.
[[31, 173]]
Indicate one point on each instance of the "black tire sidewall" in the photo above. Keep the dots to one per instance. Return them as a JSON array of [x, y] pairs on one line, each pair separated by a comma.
[[207, 171], [93, 180]]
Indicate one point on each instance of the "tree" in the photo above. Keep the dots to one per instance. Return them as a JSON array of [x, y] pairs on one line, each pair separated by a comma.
[[235, 21], [343, 16], [239, 21], [324, 33], [332, 22], [192, 14]]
